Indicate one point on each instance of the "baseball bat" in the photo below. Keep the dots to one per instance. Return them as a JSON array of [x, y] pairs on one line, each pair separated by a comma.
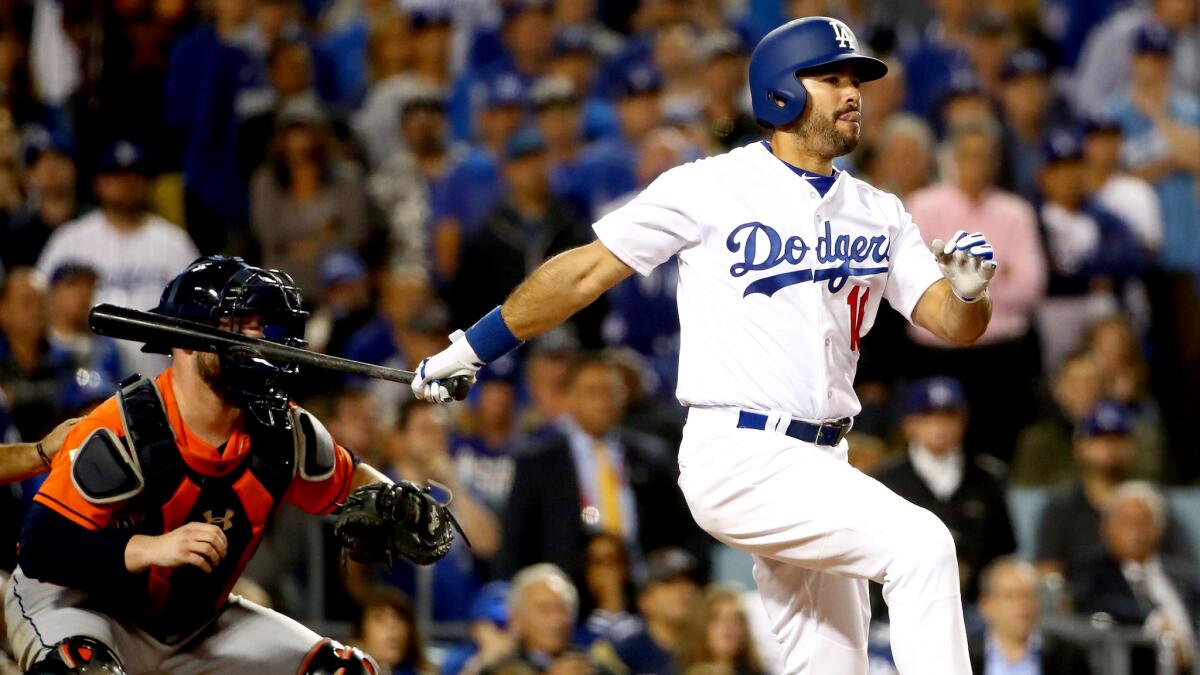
[[123, 323]]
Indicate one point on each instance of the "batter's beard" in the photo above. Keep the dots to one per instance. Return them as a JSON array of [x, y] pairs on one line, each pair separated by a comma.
[[209, 368], [822, 135]]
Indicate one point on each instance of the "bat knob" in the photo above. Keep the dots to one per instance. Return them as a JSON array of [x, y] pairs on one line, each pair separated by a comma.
[[458, 387]]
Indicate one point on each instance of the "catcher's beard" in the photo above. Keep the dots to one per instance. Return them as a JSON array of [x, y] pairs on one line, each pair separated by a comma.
[[822, 136], [209, 368]]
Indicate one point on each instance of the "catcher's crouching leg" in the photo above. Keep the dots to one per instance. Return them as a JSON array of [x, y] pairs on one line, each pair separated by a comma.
[[330, 657], [78, 655]]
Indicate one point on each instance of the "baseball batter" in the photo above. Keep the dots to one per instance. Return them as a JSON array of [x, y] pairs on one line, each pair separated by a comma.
[[783, 264]]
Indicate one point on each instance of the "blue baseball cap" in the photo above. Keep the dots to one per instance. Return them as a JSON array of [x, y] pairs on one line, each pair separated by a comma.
[[504, 90], [526, 141], [1024, 62], [1108, 418], [84, 389], [491, 604], [513, 8], [40, 141], [123, 157], [638, 79], [1061, 145], [1152, 38], [574, 40], [1100, 124], [934, 393], [340, 266], [550, 92], [429, 15], [70, 269]]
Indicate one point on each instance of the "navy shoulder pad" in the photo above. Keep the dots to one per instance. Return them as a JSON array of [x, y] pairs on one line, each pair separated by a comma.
[[316, 456], [102, 470]]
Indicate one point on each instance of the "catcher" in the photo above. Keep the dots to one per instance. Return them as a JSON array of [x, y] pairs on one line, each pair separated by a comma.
[[163, 493]]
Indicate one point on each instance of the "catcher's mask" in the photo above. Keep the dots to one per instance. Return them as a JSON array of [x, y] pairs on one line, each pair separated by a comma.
[[214, 287]]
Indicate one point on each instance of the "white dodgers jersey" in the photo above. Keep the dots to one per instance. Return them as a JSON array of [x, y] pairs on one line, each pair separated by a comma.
[[776, 283]]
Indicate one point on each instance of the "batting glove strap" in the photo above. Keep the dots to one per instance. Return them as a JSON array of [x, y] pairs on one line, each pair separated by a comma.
[[491, 338]]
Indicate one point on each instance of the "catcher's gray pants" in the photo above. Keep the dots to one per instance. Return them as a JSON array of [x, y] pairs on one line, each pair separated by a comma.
[[244, 638]]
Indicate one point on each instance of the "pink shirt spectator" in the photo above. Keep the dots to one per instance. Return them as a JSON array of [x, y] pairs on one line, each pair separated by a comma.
[[1010, 225]]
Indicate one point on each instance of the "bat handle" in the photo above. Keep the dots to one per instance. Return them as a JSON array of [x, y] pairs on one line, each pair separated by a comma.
[[458, 387]]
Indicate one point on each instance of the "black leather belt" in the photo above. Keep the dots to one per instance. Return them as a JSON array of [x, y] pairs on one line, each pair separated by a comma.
[[827, 433]]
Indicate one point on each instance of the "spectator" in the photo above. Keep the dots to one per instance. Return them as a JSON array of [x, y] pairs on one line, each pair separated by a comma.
[[718, 636], [69, 301], [581, 16], [30, 371], [134, 252], [366, 41], [887, 100], [547, 375], [490, 640], [290, 83], [1135, 581], [963, 488], [1025, 99], [212, 68], [402, 71], [402, 186], [1009, 224], [49, 201], [1111, 341], [1069, 528], [901, 159], [473, 186], [963, 103], [1105, 64], [542, 610], [678, 62], [1112, 187], [723, 63], [932, 62], [1161, 129], [305, 200], [388, 631], [345, 305], [991, 40], [594, 473], [1045, 448], [609, 168], [419, 450], [576, 57], [1161, 126], [608, 586], [666, 601], [1091, 252], [485, 442], [1010, 607], [529, 225]]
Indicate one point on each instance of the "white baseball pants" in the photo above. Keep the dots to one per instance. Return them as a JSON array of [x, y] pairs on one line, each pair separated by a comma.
[[818, 530]]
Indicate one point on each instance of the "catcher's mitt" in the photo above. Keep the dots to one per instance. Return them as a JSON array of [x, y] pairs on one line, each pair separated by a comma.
[[381, 522]]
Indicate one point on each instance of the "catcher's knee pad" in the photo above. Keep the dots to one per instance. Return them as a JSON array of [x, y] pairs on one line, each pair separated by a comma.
[[79, 655], [331, 657]]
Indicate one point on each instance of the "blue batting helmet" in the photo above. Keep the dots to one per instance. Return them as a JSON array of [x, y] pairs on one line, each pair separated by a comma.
[[803, 44]]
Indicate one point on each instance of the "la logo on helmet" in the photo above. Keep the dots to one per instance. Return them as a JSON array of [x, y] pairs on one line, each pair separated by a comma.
[[841, 33]]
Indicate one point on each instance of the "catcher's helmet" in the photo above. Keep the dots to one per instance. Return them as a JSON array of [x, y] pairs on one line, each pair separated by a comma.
[[778, 97], [217, 286]]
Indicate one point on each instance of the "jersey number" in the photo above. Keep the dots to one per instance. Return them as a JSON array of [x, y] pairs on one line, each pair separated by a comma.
[[858, 309]]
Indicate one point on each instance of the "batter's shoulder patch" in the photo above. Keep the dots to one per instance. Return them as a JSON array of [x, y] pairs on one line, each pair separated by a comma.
[[102, 470], [316, 454]]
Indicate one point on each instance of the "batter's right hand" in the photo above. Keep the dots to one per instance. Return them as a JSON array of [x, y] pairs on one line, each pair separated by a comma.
[[199, 544], [457, 360]]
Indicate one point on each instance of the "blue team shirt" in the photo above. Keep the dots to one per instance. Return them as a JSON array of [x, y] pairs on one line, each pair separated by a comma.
[[1176, 190]]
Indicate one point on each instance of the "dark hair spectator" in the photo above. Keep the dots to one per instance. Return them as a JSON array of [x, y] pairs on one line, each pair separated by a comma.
[[387, 630], [718, 635]]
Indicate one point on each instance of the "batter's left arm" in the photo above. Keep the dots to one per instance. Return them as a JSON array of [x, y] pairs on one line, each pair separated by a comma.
[[957, 308]]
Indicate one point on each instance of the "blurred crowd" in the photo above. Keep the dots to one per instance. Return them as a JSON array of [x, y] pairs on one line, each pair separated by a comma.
[[408, 162]]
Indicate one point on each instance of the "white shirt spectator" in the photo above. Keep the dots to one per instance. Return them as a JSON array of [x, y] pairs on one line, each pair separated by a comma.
[[1134, 200], [132, 266]]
